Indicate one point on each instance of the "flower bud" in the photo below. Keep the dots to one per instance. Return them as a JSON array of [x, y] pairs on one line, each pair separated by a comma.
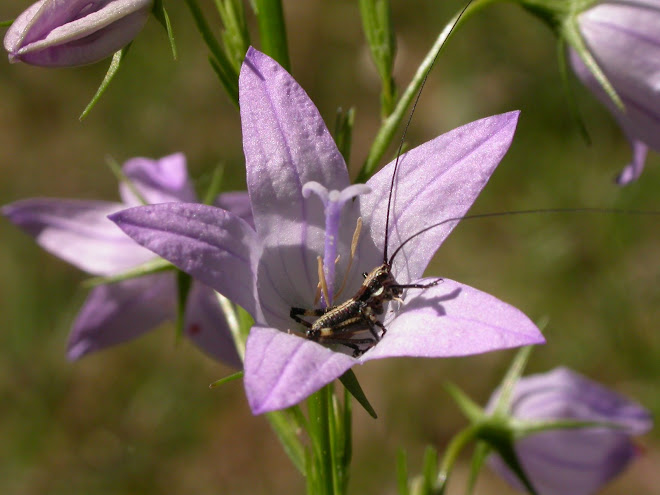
[[575, 461], [64, 33], [624, 39]]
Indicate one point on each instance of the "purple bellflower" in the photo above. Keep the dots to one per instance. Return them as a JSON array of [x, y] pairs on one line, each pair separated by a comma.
[[624, 39], [78, 231], [65, 33], [575, 461], [305, 209]]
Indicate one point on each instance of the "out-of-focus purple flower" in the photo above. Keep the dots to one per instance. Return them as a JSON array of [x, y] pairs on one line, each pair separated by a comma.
[[79, 232], [290, 155], [624, 39], [64, 33], [575, 461]]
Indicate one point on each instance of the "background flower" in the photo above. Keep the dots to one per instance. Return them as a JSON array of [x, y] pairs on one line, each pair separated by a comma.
[[63, 33], [575, 461], [624, 39], [79, 232]]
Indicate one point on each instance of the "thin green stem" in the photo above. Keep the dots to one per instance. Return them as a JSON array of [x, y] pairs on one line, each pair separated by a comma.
[[390, 124], [272, 30], [457, 444]]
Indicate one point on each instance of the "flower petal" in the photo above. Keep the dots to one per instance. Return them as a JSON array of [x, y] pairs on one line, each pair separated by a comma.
[[282, 369], [436, 181], [286, 145], [78, 232], [158, 181], [207, 327], [452, 319], [211, 244], [115, 313]]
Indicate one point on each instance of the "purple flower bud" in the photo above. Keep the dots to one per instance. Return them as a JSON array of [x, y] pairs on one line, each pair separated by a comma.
[[64, 33], [575, 461], [624, 39]]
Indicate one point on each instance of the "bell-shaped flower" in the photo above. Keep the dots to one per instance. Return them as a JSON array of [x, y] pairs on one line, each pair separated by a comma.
[[64, 33], [624, 40], [305, 214], [576, 461], [79, 232]]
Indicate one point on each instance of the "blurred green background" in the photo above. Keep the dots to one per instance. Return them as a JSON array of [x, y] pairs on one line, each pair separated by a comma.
[[139, 418]]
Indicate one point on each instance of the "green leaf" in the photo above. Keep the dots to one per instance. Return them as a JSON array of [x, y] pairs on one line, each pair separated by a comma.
[[478, 458], [344, 132], [471, 409], [227, 379], [402, 472], [571, 33], [509, 381], [569, 94], [109, 75], [214, 186], [504, 447], [285, 425], [235, 35], [6, 23], [350, 381], [429, 468], [150, 267], [184, 283], [223, 67], [377, 25], [163, 18]]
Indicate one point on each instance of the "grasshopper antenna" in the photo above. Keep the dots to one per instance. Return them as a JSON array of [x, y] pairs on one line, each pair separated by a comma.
[[405, 131], [520, 212]]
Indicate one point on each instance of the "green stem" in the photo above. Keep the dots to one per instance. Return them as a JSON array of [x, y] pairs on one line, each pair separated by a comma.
[[458, 443], [390, 124], [272, 30]]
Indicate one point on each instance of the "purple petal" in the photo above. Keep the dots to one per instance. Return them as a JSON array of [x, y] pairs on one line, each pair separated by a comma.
[[79, 233], [452, 319], [209, 243], [282, 369], [286, 145], [237, 202], [59, 33], [158, 181], [115, 313], [206, 326], [634, 169], [436, 181]]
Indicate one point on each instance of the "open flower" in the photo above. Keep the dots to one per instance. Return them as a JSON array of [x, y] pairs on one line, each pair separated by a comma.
[[624, 39], [79, 232], [64, 33], [305, 208], [575, 461]]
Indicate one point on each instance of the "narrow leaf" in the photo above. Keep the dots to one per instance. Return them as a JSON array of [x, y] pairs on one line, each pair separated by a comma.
[[227, 379], [112, 70], [350, 381]]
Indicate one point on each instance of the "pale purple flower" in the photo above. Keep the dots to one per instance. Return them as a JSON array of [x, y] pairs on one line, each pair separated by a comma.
[[64, 33], [79, 232], [575, 461], [624, 39], [304, 207]]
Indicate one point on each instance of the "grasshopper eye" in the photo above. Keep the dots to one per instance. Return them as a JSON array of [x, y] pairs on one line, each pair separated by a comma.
[[365, 274]]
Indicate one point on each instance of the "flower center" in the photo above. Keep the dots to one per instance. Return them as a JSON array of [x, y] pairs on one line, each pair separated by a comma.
[[333, 202]]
